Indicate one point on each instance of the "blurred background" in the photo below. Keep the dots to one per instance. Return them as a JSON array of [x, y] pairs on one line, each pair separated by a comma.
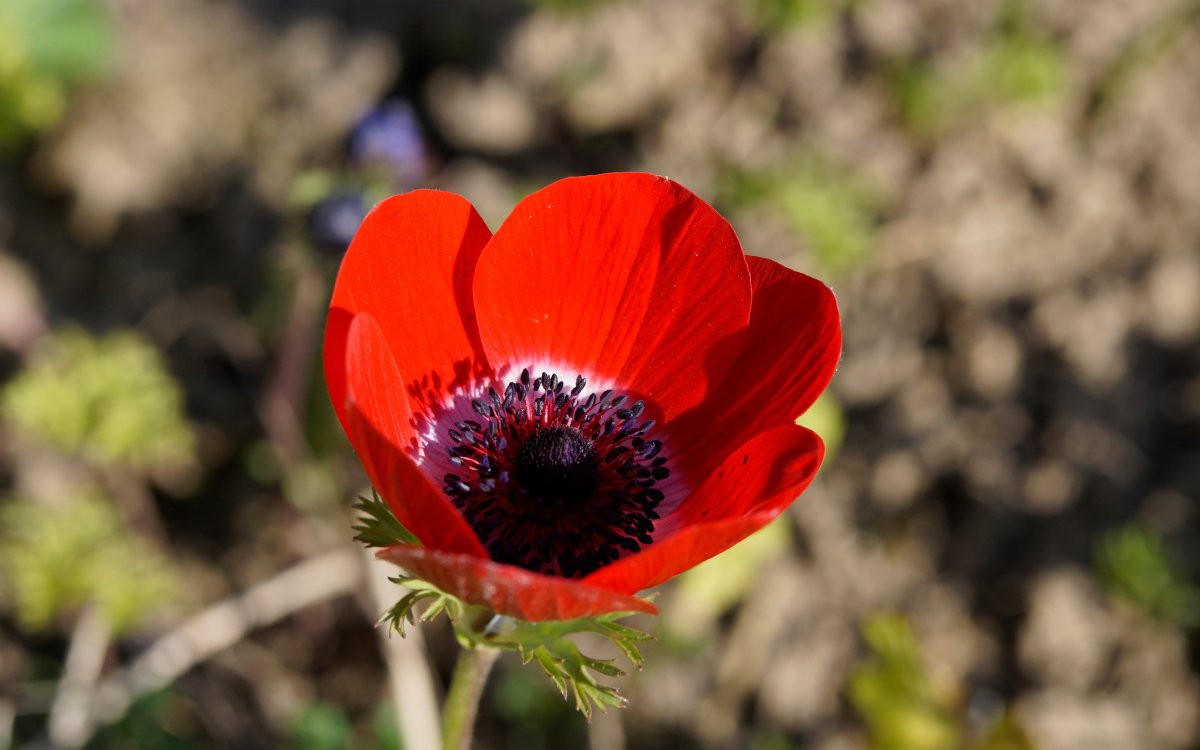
[[1000, 554]]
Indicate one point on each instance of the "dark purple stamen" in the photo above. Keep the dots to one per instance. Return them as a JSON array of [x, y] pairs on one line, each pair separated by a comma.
[[553, 480]]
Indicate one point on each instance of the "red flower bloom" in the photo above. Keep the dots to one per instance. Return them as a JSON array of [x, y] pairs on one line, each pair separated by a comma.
[[598, 397]]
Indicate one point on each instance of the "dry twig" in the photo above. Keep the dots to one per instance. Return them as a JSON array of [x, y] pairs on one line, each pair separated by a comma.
[[221, 626], [414, 692]]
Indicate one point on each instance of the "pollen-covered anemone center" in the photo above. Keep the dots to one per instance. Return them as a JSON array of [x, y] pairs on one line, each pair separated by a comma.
[[555, 480]]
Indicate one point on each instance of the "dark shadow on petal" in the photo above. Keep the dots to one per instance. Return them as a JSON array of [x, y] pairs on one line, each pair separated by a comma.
[[337, 331], [700, 445]]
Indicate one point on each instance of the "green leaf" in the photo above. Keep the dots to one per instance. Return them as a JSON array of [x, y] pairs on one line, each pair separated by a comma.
[[573, 672], [547, 643], [377, 525], [568, 668], [420, 591]]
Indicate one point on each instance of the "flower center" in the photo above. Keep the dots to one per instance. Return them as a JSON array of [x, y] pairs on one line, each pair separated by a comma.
[[558, 464], [555, 480]]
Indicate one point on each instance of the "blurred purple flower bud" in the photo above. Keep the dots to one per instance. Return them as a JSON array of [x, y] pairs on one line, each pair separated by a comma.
[[390, 136], [333, 222]]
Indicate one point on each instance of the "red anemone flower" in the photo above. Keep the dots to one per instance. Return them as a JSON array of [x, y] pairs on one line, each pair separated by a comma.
[[598, 397]]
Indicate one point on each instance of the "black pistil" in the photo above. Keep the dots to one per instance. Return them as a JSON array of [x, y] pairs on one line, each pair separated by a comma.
[[558, 463]]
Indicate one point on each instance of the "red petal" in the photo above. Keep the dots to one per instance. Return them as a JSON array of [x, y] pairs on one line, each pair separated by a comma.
[[628, 277], [790, 354], [746, 492], [509, 590], [410, 265], [379, 425]]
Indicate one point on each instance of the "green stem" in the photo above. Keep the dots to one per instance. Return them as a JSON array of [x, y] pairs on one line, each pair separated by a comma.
[[462, 701]]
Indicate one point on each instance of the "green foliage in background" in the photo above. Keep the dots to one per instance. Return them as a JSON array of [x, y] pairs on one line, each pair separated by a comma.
[[1019, 67], [46, 46], [1018, 63], [781, 13], [566, 6], [162, 720], [109, 399], [827, 418], [58, 559], [716, 585], [538, 718], [321, 726], [386, 728], [1133, 565], [1006, 733], [832, 210], [919, 96], [894, 695], [768, 739], [903, 707]]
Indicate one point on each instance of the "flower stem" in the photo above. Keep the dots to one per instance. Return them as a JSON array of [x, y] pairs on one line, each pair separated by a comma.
[[462, 701]]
